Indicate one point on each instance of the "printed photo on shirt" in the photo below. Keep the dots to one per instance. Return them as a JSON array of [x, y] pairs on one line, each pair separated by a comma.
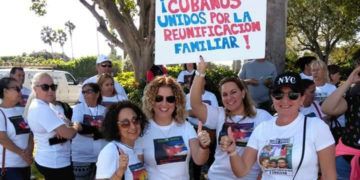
[[138, 171], [241, 132], [94, 121], [21, 126], [169, 150], [275, 157]]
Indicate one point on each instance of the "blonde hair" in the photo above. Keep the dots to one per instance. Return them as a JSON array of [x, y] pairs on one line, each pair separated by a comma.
[[34, 82], [102, 78], [151, 90], [321, 64]]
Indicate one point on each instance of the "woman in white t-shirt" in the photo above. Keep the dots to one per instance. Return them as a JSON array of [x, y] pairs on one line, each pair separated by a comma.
[[238, 112], [123, 124], [15, 134], [320, 75], [108, 92], [169, 141], [52, 131], [185, 76], [298, 145], [87, 144]]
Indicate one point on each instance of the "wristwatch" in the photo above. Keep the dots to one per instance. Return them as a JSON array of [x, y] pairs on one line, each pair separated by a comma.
[[197, 73]]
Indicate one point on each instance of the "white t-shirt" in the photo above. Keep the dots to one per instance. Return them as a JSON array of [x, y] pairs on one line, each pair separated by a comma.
[[283, 144], [242, 128], [25, 93], [208, 98], [108, 162], [83, 147], [312, 111], [322, 92], [119, 89], [18, 132], [166, 150], [304, 76], [185, 76], [43, 121], [107, 101]]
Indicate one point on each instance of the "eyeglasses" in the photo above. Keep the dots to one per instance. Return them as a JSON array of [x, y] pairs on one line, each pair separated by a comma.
[[106, 65], [88, 91], [169, 99], [46, 87], [126, 122], [280, 95], [18, 89]]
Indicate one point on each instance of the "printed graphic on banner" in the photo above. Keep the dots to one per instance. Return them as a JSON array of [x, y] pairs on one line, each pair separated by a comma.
[[138, 171], [94, 121], [169, 150], [217, 29], [241, 132], [275, 158], [21, 126]]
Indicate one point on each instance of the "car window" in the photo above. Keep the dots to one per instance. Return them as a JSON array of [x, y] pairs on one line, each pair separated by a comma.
[[70, 79]]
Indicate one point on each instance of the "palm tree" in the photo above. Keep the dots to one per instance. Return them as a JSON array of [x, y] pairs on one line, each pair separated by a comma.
[[48, 36], [61, 39], [70, 27]]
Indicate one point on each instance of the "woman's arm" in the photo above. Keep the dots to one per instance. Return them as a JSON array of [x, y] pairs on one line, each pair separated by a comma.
[[198, 108], [66, 132], [327, 163], [199, 147], [6, 142]]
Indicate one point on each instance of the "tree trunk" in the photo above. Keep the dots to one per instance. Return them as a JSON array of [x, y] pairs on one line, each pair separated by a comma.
[[276, 33]]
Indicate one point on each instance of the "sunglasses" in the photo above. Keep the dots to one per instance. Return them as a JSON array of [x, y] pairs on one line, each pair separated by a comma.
[[18, 89], [46, 87], [169, 99], [106, 65], [126, 122], [280, 95], [89, 91]]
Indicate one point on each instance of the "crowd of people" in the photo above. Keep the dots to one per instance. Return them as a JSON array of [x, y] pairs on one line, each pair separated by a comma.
[[269, 125]]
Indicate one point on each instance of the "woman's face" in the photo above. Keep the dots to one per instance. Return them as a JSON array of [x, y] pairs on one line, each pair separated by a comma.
[[318, 73], [164, 108], [335, 78], [286, 106], [43, 93], [107, 88], [232, 96], [309, 95], [128, 125], [12, 92], [90, 96], [189, 66]]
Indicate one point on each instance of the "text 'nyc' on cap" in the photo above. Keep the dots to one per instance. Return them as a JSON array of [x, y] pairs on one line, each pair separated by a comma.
[[102, 58], [288, 79]]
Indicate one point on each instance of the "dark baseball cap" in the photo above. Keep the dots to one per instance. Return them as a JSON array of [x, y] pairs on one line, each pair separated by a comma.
[[288, 79]]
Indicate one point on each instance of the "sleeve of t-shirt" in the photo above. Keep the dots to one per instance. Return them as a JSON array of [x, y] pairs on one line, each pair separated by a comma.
[[214, 101], [188, 104], [253, 140], [120, 90], [190, 130], [49, 120], [78, 114], [2, 122], [180, 77], [212, 116], [322, 134], [107, 162]]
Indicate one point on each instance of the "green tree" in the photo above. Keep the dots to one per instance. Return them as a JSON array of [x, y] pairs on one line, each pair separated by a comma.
[[48, 36], [319, 25], [61, 38], [69, 26]]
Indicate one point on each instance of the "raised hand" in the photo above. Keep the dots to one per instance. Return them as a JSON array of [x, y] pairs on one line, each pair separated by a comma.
[[201, 67], [354, 77], [123, 160], [203, 136], [227, 143]]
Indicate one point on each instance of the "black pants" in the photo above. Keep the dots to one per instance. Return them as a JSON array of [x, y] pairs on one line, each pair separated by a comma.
[[56, 174]]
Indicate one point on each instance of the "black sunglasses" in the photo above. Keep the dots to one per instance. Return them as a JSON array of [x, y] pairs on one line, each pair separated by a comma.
[[291, 95], [126, 122], [106, 65], [169, 99], [46, 87], [18, 89], [88, 91]]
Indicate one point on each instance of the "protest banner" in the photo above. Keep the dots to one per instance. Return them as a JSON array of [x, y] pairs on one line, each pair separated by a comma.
[[219, 30]]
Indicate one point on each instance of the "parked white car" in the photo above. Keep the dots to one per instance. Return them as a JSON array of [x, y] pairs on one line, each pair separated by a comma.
[[68, 87]]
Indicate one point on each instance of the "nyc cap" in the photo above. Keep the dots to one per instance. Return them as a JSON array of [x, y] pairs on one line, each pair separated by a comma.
[[102, 58], [288, 79]]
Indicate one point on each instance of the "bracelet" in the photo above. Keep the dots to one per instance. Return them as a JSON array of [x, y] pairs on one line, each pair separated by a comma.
[[197, 73], [233, 153]]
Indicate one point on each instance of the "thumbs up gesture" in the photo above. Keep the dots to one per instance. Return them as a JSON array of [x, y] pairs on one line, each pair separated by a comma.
[[123, 160], [203, 136], [227, 143]]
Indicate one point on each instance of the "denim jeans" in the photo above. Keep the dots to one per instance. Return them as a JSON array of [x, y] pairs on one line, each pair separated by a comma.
[[342, 168]]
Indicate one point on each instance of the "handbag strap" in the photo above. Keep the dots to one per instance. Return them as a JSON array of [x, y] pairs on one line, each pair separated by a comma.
[[3, 153], [303, 148], [317, 109]]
